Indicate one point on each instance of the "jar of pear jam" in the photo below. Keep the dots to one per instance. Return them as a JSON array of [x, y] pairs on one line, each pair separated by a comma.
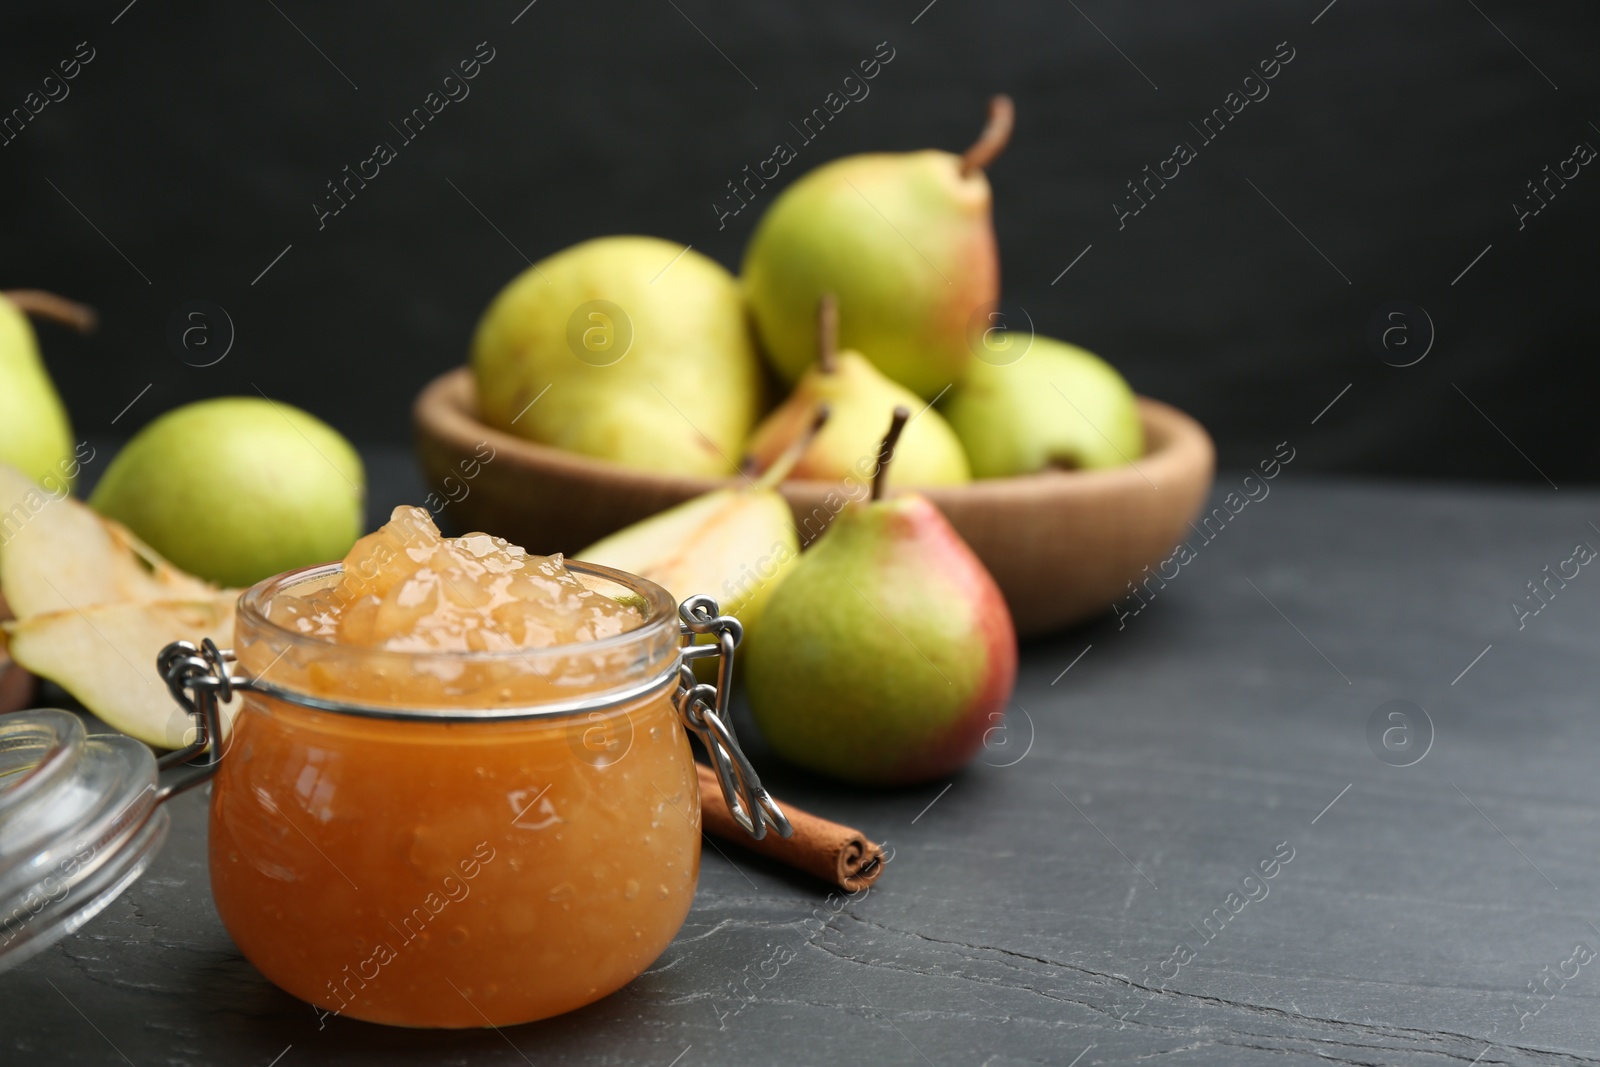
[[459, 793]]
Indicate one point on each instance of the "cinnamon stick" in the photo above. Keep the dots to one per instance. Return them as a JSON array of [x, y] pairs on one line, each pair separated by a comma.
[[833, 852]]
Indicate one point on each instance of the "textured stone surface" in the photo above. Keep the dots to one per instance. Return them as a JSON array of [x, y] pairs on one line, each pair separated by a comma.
[[1030, 907]]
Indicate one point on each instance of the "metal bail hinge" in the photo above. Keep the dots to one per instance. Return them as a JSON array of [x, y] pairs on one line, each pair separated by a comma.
[[200, 679], [704, 709]]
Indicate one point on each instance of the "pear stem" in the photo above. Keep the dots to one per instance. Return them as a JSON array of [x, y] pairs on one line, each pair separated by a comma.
[[779, 469], [994, 138], [80, 317], [880, 480], [828, 333]]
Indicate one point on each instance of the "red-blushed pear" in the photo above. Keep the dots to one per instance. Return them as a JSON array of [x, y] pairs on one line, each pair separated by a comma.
[[929, 453], [888, 651], [907, 241]]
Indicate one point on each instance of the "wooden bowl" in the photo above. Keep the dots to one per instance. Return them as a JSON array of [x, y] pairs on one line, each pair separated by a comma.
[[1061, 544]]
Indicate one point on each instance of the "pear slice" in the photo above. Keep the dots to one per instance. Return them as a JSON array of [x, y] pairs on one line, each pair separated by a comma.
[[16, 684], [105, 656], [734, 544], [57, 554], [96, 606]]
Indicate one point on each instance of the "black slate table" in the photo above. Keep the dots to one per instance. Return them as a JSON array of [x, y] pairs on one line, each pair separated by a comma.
[[1095, 889]]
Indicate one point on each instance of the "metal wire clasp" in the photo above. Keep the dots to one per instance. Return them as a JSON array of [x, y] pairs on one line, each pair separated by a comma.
[[199, 679], [704, 709]]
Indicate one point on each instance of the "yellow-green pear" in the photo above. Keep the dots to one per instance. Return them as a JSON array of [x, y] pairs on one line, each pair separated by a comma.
[[237, 489], [35, 434], [1057, 406], [907, 242], [860, 398], [630, 349]]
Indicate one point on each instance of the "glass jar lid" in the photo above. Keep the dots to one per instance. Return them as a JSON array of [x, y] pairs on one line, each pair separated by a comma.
[[79, 823]]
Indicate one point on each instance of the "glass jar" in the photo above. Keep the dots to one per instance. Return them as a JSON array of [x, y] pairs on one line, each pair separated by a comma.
[[438, 839]]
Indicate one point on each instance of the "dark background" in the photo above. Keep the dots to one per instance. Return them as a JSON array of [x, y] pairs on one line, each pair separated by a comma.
[[1397, 140]]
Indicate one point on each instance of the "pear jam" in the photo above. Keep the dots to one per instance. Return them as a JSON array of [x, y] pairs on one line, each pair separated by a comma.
[[408, 588], [441, 854]]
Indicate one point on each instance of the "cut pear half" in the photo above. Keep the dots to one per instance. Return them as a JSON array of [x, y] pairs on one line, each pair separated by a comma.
[[95, 606], [56, 553], [105, 656]]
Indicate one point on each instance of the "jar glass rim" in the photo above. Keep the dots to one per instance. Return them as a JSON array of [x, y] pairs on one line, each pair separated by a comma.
[[254, 603]]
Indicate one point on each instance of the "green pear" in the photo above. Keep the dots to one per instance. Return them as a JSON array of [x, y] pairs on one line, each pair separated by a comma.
[[737, 544], [1057, 406], [630, 349], [907, 242], [35, 435], [888, 652], [237, 489], [859, 396]]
